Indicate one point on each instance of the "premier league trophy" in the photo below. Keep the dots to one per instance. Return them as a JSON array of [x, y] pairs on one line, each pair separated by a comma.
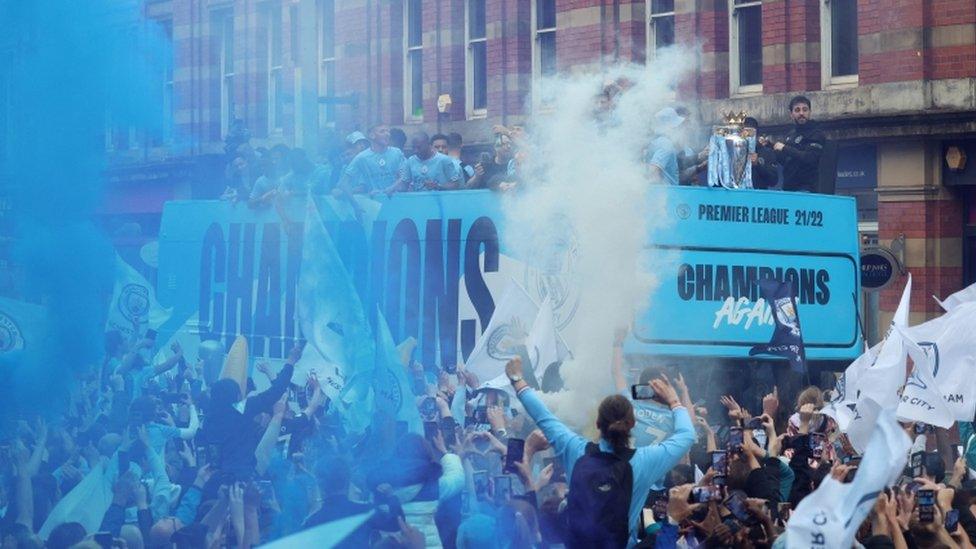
[[729, 150]]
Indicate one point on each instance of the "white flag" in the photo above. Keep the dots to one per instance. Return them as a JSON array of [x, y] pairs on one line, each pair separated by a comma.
[[921, 400], [507, 330], [882, 380], [832, 514], [133, 308], [965, 295], [841, 409], [951, 340], [543, 345]]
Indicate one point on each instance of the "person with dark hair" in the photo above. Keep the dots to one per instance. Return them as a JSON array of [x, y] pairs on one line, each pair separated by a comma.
[[427, 169], [398, 139], [65, 535], [454, 144], [492, 170], [439, 143], [765, 172], [799, 153], [615, 421], [229, 424]]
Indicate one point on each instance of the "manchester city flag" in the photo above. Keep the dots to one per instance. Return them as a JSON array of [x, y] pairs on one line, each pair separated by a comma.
[[787, 340]]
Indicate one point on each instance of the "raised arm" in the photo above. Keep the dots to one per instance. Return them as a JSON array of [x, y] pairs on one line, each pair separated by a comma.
[[561, 438], [262, 402]]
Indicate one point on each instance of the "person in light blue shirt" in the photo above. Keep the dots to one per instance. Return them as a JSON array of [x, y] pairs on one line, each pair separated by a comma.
[[648, 463], [374, 169], [662, 154], [427, 169]]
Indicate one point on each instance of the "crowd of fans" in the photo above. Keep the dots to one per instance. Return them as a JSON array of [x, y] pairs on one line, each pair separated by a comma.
[[172, 455], [382, 161]]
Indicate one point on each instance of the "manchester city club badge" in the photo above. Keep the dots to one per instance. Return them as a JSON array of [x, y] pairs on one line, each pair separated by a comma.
[[134, 302], [381, 162], [423, 169], [11, 338]]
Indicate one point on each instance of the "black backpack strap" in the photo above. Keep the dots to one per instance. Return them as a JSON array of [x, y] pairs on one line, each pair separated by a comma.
[[593, 449]]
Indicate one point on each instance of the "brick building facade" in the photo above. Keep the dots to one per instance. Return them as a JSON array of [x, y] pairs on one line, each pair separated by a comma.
[[893, 82]]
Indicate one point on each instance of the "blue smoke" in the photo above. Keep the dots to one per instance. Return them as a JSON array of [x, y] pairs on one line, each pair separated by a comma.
[[69, 65]]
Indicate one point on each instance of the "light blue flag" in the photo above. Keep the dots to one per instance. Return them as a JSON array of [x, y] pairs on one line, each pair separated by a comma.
[[391, 389], [334, 322], [21, 327]]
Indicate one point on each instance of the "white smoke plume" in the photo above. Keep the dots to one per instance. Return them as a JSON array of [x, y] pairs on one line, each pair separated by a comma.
[[586, 181]]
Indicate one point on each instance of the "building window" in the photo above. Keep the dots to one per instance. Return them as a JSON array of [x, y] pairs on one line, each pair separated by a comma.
[[745, 46], [327, 59], [413, 66], [543, 46], [223, 24], [476, 67], [838, 42], [660, 26], [166, 135], [276, 94]]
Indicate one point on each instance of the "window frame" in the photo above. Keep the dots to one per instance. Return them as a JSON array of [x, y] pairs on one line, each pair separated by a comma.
[[827, 79], [275, 67], [224, 18], [409, 53], [650, 48], [169, 69], [735, 88], [326, 63], [471, 112], [537, 33]]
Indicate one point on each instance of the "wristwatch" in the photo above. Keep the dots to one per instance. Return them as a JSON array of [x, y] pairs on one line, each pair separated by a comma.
[[515, 379]]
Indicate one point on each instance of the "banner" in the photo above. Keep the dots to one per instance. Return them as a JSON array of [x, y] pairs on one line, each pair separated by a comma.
[[787, 340], [437, 263]]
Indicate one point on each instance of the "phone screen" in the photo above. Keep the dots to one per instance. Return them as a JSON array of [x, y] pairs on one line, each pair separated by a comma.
[[503, 488], [754, 424], [660, 509], [817, 441], [926, 505], [516, 450], [720, 463], [952, 520], [642, 392], [737, 506], [431, 429], [480, 479], [735, 439], [915, 464], [449, 430]]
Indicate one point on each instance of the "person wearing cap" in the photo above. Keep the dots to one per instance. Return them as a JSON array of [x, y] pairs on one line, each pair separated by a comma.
[[662, 155], [375, 168]]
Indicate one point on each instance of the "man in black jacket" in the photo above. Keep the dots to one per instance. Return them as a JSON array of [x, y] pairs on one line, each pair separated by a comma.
[[799, 153], [230, 424]]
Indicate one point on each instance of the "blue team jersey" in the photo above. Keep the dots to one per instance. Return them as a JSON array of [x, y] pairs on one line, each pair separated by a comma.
[[375, 170], [663, 154], [439, 168]]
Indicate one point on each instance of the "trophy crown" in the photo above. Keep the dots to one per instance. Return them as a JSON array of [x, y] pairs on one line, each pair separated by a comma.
[[733, 118]]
